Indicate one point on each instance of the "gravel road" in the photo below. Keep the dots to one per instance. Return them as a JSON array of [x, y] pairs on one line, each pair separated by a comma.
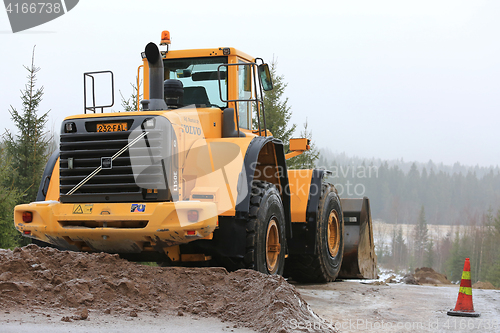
[[38, 321], [45, 290], [356, 307]]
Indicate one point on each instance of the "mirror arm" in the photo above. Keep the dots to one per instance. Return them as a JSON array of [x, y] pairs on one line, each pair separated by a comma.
[[293, 154]]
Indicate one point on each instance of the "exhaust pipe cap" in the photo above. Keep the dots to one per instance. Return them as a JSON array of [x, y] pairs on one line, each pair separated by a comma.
[[152, 52]]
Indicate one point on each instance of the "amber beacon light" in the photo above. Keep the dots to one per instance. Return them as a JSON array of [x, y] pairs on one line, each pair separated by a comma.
[[165, 37]]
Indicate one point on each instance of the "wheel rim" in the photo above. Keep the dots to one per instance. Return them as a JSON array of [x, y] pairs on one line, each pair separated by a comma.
[[333, 233], [273, 246]]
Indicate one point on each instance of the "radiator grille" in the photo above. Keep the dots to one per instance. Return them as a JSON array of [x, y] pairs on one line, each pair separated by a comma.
[[83, 151]]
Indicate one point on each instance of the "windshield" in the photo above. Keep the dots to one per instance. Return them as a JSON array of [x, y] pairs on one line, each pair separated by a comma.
[[200, 80]]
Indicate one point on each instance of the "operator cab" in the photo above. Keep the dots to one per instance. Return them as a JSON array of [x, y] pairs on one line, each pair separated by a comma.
[[223, 78]]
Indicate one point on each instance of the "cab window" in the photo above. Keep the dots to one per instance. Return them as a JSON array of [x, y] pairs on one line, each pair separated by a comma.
[[199, 79], [245, 92]]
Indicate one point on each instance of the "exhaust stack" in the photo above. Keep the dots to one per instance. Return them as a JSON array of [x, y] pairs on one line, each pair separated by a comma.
[[156, 98]]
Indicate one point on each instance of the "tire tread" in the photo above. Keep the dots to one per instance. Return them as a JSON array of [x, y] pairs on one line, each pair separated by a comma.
[[307, 268]]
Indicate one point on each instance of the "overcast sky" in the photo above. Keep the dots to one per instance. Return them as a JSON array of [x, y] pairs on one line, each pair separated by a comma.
[[417, 80]]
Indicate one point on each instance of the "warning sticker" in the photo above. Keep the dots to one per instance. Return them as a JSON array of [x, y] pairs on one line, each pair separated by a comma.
[[82, 208]]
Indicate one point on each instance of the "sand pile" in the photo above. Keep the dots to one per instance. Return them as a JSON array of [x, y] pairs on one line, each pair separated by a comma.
[[428, 275], [33, 276], [483, 285]]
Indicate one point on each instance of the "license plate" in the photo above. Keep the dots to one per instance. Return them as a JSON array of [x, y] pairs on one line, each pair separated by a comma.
[[112, 127]]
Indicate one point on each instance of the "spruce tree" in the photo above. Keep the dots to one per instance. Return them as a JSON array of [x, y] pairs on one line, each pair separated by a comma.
[[278, 112], [496, 223], [8, 198], [455, 262], [306, 160], [130, 104], [28, 148], [429, 254], [278, 116], [399, 249], [493, 273], [421, 235]]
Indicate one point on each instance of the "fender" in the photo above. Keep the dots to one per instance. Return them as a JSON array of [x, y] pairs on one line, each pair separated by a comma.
[[47, 174], [249, 166], [305, 240]]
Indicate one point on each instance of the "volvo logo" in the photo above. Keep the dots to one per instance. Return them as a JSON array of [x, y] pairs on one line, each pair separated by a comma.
[[106, 163]]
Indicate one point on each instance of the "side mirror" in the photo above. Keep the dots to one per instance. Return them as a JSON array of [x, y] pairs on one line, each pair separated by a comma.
[[297, 147], [301, 144], [265, 77]]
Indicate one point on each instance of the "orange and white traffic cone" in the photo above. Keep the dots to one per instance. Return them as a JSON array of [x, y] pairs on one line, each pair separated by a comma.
[[464, 307]]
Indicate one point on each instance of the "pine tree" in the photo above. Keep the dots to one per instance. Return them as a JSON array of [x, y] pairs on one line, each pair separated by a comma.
[[28, 148], [306, 160], [278, 112]]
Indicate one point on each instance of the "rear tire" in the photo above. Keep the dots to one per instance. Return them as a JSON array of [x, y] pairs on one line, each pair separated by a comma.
[[324, 266], [265, 228]]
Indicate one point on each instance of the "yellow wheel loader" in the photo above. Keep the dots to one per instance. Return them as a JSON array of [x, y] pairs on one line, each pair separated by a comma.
[[193, 179]]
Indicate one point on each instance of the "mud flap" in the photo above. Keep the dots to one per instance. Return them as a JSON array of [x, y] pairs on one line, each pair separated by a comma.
[[359, 261]]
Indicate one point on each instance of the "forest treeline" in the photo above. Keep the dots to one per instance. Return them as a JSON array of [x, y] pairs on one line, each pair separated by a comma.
[[450, 194], [419, 194]]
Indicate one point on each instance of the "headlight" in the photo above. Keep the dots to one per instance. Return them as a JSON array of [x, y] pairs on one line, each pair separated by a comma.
[[149, 123], [70, 127]]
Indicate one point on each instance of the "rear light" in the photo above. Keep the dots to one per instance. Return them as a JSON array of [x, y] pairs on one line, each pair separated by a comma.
[[192, 215], [191, 232], [27, 217], [27, 232]]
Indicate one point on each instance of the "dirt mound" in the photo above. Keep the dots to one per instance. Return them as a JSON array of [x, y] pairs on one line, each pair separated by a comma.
[[33, 276], [428, 275], [483, 285]]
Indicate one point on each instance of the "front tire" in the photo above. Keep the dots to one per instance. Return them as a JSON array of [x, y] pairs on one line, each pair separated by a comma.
[[324, 266], [265, 240]]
